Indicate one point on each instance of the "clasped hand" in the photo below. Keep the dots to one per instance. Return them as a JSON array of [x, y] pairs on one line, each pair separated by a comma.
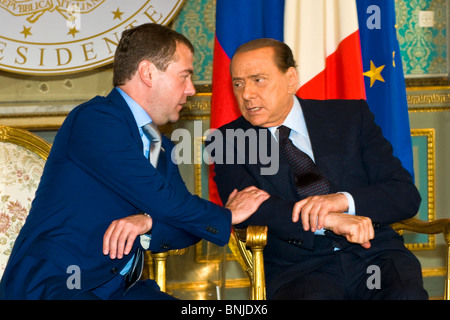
[[121, 234], [317, 212]]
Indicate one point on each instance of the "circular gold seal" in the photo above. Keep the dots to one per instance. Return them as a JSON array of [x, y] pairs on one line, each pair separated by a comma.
[[49, 37]]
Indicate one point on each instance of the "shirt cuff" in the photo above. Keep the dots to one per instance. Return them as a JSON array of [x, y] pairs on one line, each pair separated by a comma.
[[145, 241], [351, 210], [351, 203]]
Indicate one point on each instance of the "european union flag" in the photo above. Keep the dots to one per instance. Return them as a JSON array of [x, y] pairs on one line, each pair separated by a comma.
[[384, 78]]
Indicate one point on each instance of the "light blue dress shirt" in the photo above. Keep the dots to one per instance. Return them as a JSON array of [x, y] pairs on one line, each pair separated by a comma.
[[142, 118], [300, 138]]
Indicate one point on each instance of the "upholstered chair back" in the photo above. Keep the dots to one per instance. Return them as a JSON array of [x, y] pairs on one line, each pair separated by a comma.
[[22, 160]]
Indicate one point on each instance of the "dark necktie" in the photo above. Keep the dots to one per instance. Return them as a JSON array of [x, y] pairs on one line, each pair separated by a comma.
[[309, 180]]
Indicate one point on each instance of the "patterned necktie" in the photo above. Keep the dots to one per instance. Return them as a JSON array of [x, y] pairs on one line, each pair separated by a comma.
[[153, 134], [309, 180]]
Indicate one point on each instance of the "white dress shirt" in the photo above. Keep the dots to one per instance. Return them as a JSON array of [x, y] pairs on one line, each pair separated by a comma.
[[300, 138]]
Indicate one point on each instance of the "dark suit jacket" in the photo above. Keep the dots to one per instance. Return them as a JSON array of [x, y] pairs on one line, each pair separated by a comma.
[[351, 152], [96, 173]]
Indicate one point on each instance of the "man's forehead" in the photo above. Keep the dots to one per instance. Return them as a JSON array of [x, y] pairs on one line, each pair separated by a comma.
[[265, 54], [252, 68], [184, 57]]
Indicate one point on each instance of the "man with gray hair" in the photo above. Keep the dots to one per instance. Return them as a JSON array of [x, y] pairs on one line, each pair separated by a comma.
[[337, 189]]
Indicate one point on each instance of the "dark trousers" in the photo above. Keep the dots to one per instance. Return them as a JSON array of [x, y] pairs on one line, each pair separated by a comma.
[[141, 290], [40, 279], [389, 275]]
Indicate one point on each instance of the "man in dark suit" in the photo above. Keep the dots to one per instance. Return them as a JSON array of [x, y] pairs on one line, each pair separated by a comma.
[[100, 197], [332, 244]]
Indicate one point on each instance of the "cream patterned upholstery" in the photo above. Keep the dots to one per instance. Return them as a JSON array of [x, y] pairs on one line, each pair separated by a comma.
[[22, 159]]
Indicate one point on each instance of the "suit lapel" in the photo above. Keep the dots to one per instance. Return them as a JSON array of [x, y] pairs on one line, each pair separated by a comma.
[[282, 180], [326, 142], [163, 157], [317, 119]]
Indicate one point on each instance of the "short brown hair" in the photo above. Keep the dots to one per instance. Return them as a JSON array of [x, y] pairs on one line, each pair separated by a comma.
[[284, 59], [150, 41]]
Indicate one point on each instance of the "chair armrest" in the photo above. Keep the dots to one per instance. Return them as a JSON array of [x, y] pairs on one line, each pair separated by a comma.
[[254, 238], [426, 227], [430, 227]]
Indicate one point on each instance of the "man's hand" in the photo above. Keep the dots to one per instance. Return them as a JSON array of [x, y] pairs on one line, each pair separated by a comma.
[[326, 212], [120, 235], [244, 203], [355, 229], [313, 210]]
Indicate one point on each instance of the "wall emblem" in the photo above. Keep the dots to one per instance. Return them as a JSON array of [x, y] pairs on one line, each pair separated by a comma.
[[50, 37]]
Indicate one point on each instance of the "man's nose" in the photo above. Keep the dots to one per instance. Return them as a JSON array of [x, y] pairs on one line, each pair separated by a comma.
[[190, 88], [248, 92]]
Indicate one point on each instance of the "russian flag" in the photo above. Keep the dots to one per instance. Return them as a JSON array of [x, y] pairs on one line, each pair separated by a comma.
[[237, 22], [326, 40]]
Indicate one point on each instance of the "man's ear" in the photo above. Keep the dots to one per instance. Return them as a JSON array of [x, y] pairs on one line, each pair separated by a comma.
[[292, 76], [145, 69]]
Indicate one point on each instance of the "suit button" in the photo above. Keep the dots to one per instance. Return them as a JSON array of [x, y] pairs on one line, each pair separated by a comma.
[[114, 270], [165, 246], [212, 230]]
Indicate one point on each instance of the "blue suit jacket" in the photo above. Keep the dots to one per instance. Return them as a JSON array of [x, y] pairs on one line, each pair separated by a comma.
[[350, 150], [96, 173]]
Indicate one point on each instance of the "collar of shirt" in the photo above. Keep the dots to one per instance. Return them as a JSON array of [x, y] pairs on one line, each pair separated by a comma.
[[300, 138], [299, 133], [141, 117]]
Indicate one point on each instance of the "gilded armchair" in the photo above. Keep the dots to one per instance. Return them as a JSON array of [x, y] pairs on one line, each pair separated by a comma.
[[430, 227], [248, 245], [155, 266], [22, 160], [252, 240]]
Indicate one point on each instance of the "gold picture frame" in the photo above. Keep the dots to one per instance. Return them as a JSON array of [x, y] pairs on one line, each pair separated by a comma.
[[423, 141]]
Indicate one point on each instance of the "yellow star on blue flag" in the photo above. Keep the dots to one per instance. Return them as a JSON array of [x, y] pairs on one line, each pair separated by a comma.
[[383, 76], [374, 73]]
